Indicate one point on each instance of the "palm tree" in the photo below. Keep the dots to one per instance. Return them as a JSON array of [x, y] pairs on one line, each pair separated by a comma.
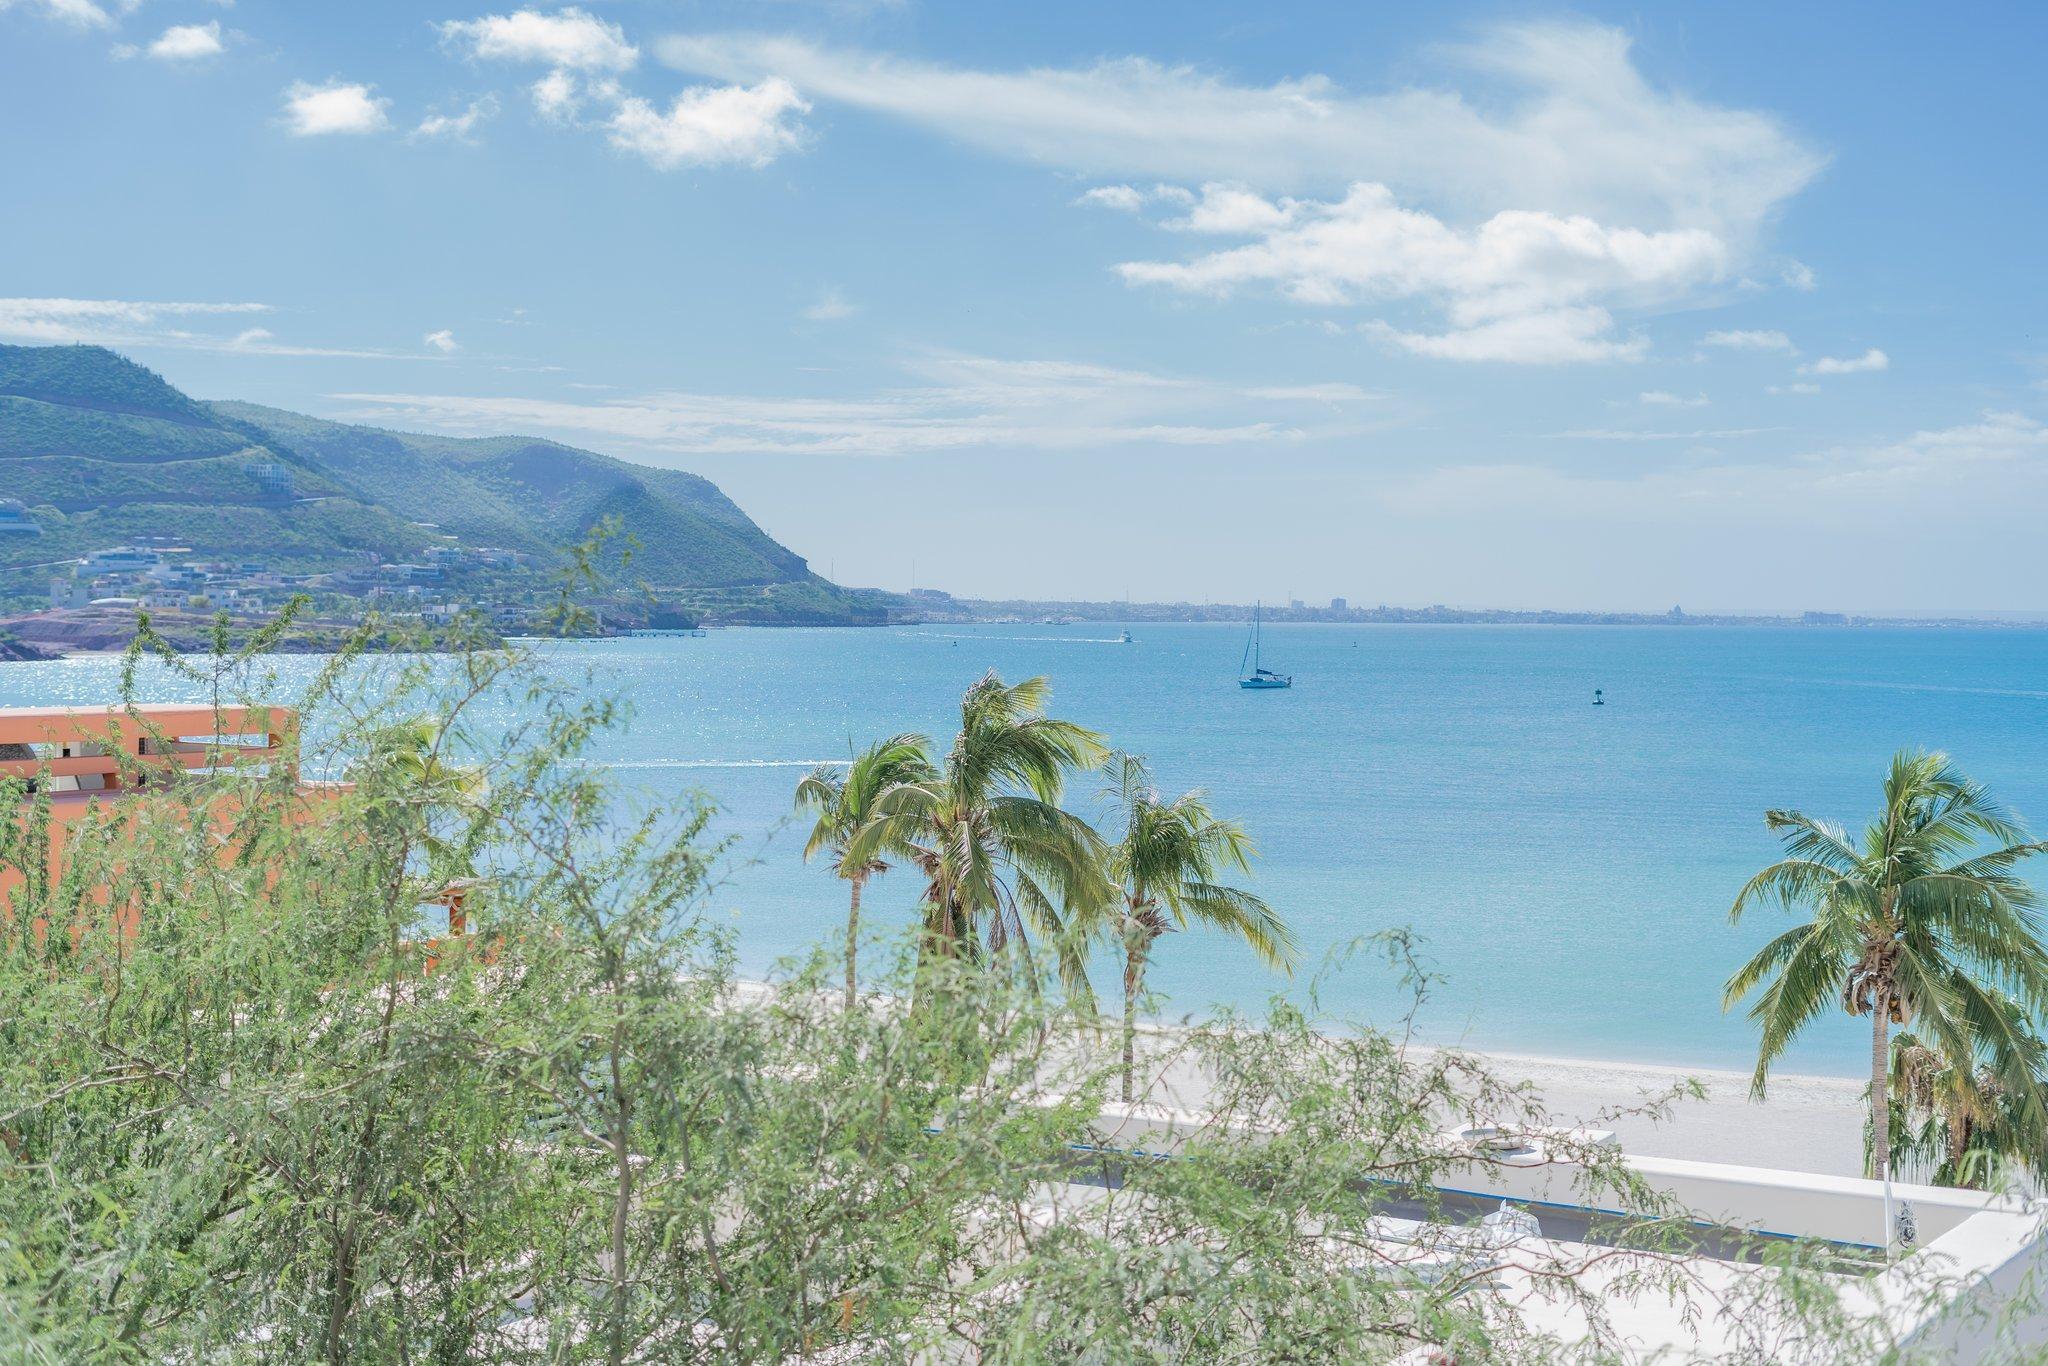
[[844, 803], [1910, 922], [1002, 861], [1956, 1115], [1165, 863]]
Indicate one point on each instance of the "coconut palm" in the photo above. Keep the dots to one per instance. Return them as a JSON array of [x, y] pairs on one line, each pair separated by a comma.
[[1956, 1116], [1165, 862], [843, 800], [416, 785], [1002, 861], [1914, 921]]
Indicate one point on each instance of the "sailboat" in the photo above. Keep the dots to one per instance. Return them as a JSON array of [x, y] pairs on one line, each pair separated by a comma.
[[1258, 677]]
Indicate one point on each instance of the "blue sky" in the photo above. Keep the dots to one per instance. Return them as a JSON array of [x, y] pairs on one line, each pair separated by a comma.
[[1734, 306]]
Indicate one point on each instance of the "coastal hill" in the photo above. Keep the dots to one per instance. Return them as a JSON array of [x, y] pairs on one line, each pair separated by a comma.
[[101, 451]]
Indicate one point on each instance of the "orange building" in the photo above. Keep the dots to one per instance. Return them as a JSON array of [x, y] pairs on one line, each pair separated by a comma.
[[86, 760], [93, 760]]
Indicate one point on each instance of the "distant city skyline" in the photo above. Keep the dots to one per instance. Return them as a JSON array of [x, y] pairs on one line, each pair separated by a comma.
[[1617, 308]]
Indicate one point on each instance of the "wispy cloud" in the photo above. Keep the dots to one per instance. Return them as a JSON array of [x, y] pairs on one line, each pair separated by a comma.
[[958, 402], [1658, 398], [1869, 361], [149, 323], [831, 306], [75, 13], [459, 127], [1558, 119], [1841, 489], [442, 341], [1619, 434], [1750, 341], [334, 107], [106, 321], [1544, 187]]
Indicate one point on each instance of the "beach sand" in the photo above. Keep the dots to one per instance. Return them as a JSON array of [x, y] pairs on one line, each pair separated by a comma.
[[1808, 1123]]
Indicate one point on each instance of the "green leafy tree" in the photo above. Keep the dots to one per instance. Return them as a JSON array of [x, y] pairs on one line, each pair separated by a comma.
[[1166, 861], [844, 803], [1003, 862], [1916, 921], [244, 1118]]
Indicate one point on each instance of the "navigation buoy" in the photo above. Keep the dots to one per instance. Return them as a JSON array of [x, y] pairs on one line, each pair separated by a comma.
[[1598, 700]]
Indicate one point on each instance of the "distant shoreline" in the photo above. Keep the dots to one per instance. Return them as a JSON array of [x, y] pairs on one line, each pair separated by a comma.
[[938, 610]]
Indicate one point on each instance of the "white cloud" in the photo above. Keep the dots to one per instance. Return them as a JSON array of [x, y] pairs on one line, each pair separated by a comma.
[[1870, 360], [956, 403], [1994, 439], [188, 42], [1522, 286], [76, 13], [831, 306], [1658, 398], [569, 39], [103, 321], [555, 96], [1122, 197], [2000, 456], [1528, 197], [143, 323], [1792, 389], [458, 127], [1559, 120], [1799, 276], [334, 107], [1622, 434], [1561, 336], [442, 341], [1751, 341], [711, 126]]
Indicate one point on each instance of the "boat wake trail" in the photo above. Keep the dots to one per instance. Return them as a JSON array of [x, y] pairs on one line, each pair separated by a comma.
[[1882, 685], [1059, 640]]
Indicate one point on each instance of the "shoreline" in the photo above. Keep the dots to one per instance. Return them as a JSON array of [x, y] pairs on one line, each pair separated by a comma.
[[1806, 1123]]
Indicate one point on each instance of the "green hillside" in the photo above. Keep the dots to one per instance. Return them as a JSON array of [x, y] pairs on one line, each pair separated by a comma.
[[103, 451], [526, 494]]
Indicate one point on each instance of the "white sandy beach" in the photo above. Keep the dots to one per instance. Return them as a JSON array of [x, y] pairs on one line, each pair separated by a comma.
[[1809, 1123]]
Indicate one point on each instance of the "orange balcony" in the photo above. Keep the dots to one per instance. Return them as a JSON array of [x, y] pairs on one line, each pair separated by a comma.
[[87, 760]]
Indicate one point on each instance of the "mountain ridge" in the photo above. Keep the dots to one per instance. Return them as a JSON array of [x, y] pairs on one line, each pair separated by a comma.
[[101, 450]]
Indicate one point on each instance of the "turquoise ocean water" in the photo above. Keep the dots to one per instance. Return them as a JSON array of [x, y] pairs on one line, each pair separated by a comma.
[[1569, 867]]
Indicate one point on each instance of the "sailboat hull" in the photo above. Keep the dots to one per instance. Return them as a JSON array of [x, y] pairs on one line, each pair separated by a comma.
[[1265, 682]]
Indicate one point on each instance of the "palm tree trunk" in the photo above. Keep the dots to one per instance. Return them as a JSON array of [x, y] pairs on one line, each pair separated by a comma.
[[1880, 1099], [1135, 947], [853, 941]]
